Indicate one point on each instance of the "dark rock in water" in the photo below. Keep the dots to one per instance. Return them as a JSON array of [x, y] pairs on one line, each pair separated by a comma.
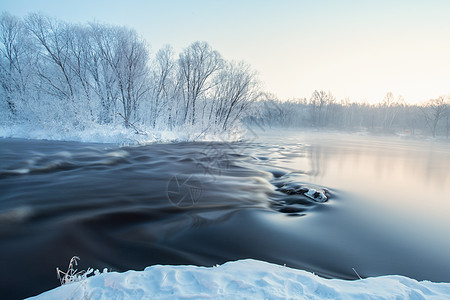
[[295, 215], [299, 200], [277, 173], [311, 193], [289, 190], [291, 209], [315, 195]]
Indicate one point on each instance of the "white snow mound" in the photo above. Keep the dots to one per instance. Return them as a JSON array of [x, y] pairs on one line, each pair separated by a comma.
[[118, 134], [244, 279]]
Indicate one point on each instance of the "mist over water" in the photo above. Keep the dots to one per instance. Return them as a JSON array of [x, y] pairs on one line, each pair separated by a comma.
[[206, 203]]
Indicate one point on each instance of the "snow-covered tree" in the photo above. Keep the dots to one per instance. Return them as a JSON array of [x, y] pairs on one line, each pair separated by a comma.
[[16, 59], [434, 111], [236, 89], [72, 76], [198, 63]]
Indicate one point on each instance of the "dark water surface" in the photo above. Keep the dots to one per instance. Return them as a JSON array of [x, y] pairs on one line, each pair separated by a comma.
[[206, 203]]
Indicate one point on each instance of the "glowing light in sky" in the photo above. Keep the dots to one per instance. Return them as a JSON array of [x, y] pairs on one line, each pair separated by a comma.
[[355, 49]]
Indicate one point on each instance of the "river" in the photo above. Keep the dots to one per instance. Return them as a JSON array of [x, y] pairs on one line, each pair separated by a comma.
[[205, 203]]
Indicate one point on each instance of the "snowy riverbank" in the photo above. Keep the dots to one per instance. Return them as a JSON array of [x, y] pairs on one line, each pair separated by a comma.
[[118, 134], [244, 279]]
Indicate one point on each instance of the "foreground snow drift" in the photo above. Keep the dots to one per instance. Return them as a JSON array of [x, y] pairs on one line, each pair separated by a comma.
[[244, 279]]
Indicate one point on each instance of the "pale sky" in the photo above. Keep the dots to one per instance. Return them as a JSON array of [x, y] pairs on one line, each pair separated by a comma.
[[356, 49]]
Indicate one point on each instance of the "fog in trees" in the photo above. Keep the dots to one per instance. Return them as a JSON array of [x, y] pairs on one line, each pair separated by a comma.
[[322, 111]]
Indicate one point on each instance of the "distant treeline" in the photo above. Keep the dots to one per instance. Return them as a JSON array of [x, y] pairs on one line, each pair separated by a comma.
[[54, 73], [392, 115]]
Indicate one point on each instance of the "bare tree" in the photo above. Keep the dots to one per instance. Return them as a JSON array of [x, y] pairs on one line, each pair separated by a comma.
[[319, 103], [197, 65], [80, 60], [237, 88], [53, 39], [164, 86], [390, 108], [127, 56], [15, 60], [447, 123], [434, 111], [101, 70]]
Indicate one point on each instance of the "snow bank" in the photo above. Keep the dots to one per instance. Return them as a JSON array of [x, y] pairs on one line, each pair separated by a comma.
[[244, 279], [97, 133]]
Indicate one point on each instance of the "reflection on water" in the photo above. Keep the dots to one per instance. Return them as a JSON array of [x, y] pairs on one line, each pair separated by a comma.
[[392, 198], [395, 172], [395, 160], [396, 191], [408, 175], [370, 165]]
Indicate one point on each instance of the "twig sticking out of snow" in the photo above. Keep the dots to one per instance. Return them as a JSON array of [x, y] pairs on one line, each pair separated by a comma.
[[72, 274], [136, 130], [356, 273]]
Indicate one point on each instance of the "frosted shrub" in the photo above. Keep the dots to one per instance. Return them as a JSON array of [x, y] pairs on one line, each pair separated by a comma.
[[73, 275]]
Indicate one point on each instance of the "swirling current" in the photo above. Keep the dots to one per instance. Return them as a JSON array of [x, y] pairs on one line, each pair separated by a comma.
[[301, 201]]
